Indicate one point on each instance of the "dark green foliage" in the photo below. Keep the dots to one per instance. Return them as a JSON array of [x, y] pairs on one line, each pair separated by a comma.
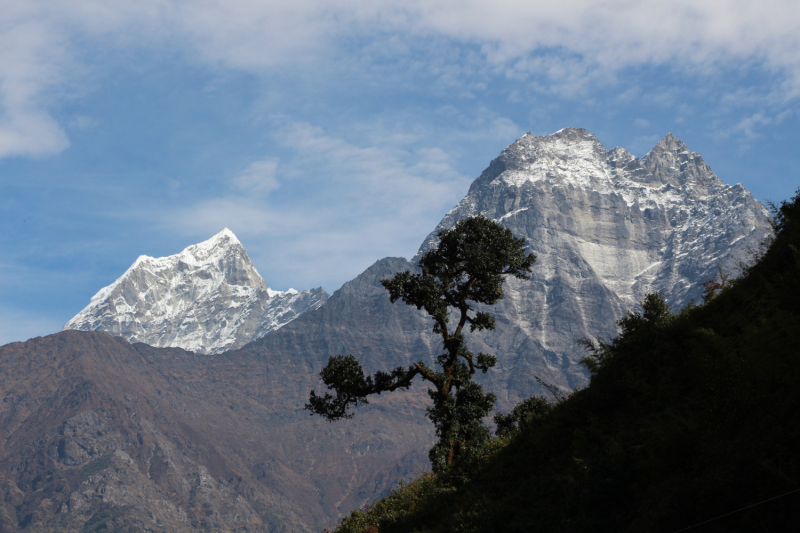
[[345, 375], [467, 267], [689, 416], [459, 422], [787, 210], [521, 416], [634, 327], [399, 504]]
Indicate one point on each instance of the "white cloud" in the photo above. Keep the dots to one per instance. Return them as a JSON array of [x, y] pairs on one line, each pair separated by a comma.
[[30, 132], [748, 125], [375, 172], [259, 177], [350, 205], [30, 63], [752, 127], [566, 47]]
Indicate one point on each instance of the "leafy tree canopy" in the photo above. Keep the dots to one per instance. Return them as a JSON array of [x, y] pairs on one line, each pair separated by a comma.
[[466, 268]]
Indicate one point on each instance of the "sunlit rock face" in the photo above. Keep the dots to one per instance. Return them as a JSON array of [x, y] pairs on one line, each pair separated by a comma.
[[606, 227], [209, 298]]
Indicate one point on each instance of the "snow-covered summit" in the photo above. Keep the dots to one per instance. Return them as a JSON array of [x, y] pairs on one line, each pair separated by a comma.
[[573, 156], [607, 227], [208, 298]]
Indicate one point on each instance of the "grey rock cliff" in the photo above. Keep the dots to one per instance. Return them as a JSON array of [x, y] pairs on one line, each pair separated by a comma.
[[209, 298], [606, 227]]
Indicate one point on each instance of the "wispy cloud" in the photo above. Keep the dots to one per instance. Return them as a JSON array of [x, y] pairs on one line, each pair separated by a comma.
[[748, 125], [350, 204], [31, 64], [566, 47], [259, 177]]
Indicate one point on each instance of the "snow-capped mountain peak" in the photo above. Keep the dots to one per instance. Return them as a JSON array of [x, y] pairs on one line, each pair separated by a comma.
[[607, 227], [216, 245], [207, 298]]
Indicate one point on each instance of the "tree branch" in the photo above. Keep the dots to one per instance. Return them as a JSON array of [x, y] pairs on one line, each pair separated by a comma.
[[484, 361], [425, 373], [345, 376]]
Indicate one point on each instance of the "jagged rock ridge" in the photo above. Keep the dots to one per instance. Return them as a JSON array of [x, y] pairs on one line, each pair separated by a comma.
[[607, 227], [209, 298]]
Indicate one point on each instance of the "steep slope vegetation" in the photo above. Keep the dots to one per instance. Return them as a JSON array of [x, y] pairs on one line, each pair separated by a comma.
[[688, 417]]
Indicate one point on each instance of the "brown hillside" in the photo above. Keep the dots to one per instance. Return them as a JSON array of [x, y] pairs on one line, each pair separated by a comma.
[[99, 434]]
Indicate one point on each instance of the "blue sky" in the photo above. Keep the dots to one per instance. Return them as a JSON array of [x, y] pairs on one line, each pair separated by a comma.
[[329, 136]]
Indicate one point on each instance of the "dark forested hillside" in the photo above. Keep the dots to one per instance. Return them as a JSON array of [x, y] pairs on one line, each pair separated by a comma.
[[689, 416]]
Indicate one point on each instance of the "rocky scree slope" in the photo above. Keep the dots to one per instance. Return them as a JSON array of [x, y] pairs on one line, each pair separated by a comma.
[[209, 298]]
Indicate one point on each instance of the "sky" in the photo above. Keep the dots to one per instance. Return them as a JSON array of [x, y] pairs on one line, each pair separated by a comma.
[[329, 135]]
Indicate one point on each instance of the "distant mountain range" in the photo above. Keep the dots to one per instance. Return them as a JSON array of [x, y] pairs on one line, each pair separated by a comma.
[[209, 298], [605, 225], [234, 446]]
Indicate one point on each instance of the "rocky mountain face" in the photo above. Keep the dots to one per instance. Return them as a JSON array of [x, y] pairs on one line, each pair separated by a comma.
[[606, 227], [209, 298]]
